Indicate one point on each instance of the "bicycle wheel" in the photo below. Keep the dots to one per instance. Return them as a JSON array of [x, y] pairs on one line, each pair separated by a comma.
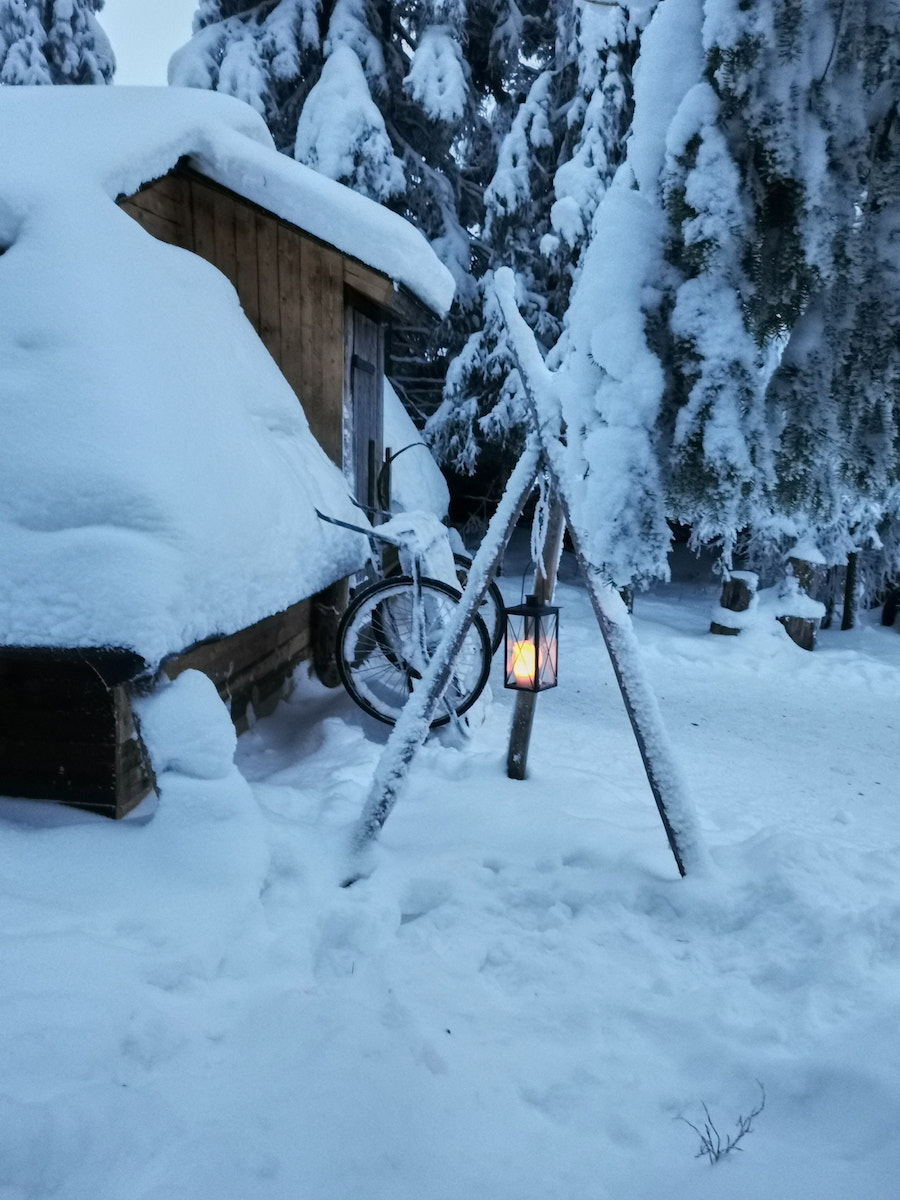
[[492, 610], [386, 638]]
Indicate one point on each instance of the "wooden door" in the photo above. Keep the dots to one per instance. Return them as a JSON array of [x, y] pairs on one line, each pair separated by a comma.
[[363, 407]]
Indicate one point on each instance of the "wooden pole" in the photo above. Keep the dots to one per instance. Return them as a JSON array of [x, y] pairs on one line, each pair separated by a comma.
[[544, 584]]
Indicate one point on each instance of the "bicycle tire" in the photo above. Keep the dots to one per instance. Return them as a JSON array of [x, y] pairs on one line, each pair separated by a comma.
[[375, 658], [492, 610]]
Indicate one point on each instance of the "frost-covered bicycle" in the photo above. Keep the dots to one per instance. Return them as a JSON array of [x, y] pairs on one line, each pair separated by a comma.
[[395, 621]]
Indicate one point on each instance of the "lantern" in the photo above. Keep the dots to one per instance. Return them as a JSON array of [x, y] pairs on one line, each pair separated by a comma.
[[531, 644]]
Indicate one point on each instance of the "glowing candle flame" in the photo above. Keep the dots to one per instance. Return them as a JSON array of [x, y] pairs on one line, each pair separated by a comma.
[[523, 662]]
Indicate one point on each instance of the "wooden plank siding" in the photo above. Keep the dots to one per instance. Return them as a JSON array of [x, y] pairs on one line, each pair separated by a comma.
[[248, 263], [290, 357], [322, 363], [269, 328], [163, 209], [223, 208], [203, 216]]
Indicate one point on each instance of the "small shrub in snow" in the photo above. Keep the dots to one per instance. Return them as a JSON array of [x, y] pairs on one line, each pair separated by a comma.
[[712, 1145]]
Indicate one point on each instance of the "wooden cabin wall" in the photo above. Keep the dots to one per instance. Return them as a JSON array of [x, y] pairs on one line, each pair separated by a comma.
[[251, 668], [290, 286], [320, 315], [364, 399]]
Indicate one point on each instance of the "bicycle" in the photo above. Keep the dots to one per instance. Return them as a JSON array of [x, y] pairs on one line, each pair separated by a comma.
[[393, 623], [492, 612]]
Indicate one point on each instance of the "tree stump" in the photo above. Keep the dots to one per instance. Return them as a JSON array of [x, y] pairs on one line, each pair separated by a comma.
[[735, 604], [800, 615]]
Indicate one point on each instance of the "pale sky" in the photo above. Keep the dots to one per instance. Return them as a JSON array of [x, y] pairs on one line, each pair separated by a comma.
[[144, 33]]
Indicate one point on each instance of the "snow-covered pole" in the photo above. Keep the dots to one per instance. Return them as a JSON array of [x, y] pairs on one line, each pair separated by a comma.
[[675, 809], [415, 719]]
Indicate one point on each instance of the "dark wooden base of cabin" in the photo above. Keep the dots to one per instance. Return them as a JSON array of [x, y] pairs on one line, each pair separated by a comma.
[[66, 728], [66, 731]]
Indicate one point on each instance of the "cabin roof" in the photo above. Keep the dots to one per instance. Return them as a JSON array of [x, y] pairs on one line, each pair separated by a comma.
[[159, 478], [118, 139]]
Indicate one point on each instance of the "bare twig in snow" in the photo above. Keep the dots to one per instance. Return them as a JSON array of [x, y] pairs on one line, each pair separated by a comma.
[[711, 1144]]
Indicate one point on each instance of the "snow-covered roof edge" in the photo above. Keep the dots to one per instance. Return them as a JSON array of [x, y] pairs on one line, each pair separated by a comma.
[[128, 136]]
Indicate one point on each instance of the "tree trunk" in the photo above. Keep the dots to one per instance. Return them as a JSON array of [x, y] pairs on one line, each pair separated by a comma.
[[801, 616], [848, 620]]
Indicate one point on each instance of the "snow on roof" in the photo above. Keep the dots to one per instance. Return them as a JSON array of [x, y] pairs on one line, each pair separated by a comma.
[[120, 138], [157, 475]]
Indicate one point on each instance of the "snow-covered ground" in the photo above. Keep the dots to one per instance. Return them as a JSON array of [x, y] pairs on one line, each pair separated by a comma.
[[523, 999]]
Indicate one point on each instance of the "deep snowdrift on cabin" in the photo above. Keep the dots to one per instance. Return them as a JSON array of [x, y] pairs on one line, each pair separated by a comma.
[[118, 139], [159, 477]]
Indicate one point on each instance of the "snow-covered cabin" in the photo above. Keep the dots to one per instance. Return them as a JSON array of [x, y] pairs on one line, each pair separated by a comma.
[[170, 285]]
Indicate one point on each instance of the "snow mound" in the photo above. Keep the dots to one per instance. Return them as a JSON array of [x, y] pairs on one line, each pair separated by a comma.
[[187, 728], [116, 139], [159, 477]]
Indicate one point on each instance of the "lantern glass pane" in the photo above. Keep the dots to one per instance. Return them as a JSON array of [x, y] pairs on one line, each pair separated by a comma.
[[547, 652], [521, 653]]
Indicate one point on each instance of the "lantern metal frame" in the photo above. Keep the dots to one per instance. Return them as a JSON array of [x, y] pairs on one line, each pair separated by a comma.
[[531, 646]]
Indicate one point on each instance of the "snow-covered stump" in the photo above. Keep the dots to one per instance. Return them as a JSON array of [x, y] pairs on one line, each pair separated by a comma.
[[737, 604], [797, 611]]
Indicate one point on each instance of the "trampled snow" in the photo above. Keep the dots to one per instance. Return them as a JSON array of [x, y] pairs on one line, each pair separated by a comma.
[[523, 999]]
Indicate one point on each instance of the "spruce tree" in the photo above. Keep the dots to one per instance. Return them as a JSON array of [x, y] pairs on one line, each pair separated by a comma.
[[565, 139], [53, 41], [836, 389], [731, 351]]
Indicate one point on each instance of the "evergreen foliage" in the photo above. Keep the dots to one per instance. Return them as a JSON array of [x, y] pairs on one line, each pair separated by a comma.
[[562, 147], [765, 138], [53, 41]]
